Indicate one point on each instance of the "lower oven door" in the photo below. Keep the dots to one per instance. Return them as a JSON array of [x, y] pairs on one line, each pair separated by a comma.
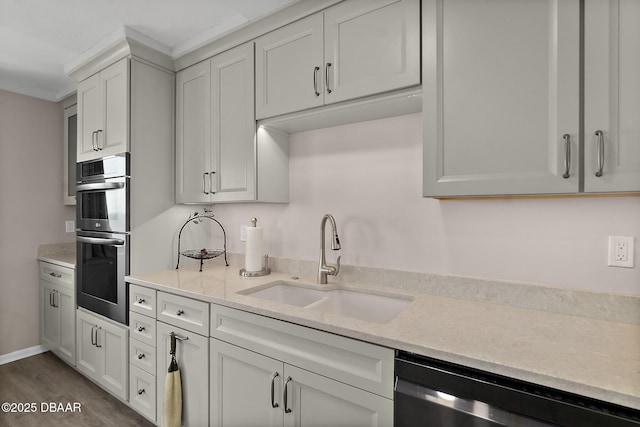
[[102, 264]]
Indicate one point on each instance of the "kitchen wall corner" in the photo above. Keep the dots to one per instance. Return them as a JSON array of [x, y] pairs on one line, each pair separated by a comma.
[[31, 211]]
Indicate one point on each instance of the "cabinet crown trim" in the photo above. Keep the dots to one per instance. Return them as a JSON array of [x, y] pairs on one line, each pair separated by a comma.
[[120, 44]]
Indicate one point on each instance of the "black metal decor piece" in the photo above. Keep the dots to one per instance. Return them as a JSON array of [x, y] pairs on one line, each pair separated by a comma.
[[203, 253]]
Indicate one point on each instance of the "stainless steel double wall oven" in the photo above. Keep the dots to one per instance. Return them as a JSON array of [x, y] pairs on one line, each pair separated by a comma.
[[102, 217]]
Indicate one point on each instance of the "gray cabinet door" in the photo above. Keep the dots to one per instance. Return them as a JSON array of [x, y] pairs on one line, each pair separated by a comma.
[[288, 63], [193, 134], [371, 47], [500, 92], [241, 386], [233, 125], [612, 96]]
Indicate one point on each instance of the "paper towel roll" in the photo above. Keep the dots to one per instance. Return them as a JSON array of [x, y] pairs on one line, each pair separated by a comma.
[[254, 251]]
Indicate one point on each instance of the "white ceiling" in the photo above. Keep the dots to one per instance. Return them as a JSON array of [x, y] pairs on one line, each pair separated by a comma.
[[39, 37]]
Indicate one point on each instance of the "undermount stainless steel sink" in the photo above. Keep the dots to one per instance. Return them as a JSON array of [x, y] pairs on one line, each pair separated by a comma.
[[377, 308]]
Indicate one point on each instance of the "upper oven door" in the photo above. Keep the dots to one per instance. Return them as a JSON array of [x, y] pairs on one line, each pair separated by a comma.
[[102, 205]]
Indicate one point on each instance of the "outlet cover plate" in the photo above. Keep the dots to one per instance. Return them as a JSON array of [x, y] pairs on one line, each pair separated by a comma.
[[621, 252]]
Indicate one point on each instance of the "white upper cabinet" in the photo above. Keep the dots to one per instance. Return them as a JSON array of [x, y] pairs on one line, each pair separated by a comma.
[[215, 125], [289, 74], [218, 157], [103, 112], [501, 97], [612, 95], [233, 126], [193, 133], [351, 50], [371, 47]]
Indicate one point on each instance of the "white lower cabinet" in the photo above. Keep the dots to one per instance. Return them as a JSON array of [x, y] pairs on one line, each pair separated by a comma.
[[58, 311], [272, 373], [250, 389], [192, 355], [102, 348]]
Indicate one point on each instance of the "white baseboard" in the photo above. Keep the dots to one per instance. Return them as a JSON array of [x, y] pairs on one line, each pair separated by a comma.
[[21, 354]]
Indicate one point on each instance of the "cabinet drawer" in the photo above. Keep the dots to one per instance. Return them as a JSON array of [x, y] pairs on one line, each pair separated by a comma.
[[143, 356], [62, 276], [363, 365], [142, 389], [142, 328], [184, 313], [142, 300]]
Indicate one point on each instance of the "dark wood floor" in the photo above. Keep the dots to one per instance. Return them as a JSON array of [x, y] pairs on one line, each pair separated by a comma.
[[45, 379]]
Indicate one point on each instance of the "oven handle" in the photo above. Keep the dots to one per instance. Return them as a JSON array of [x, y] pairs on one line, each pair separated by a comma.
[[100, 186], [100, 240]]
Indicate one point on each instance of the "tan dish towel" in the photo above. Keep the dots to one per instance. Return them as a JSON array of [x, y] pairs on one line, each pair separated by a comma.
[[172, 415]]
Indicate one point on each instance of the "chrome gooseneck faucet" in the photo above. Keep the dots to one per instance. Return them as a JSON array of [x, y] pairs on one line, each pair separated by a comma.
[[323, 269]]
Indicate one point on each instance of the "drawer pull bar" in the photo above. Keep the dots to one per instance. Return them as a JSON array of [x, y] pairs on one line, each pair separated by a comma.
[[275, 375], [140, 391], [315, 81], [567, 155], [600, 157], [179, 312], [140, 356], [141, 328], [287, 410], [56, 275], [140, 300]]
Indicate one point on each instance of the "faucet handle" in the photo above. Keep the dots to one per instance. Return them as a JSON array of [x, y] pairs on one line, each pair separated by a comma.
[[338, 265]]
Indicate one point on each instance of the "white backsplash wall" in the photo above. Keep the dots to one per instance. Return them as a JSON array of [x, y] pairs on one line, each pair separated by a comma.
[[369, 176]]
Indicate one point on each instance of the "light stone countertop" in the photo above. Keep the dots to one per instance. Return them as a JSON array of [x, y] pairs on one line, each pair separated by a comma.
[[62, 254], [590, 357]]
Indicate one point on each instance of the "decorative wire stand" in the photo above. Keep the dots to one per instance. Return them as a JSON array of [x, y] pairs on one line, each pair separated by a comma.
[[203, 253]]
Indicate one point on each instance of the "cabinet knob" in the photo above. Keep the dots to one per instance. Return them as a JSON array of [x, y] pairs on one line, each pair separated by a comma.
[[140, 391], [179, 312], [140, 328], [140, 356]]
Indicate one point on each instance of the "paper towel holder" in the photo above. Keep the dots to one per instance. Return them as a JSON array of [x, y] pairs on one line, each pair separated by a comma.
[[265, 269]]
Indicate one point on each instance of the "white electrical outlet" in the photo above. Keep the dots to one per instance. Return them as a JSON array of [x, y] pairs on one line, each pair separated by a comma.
[[70, 226], [621, 251]]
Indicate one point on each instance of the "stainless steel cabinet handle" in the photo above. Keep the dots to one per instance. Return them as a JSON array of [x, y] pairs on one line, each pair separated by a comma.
[[567, 155], [97, 331], [140, 300], [140, 356], [179, 312], [326, 76], [98, 132], [56, 275], [140, 391], [315, 80], [55, 304], [140, 328], [211, 190], [204, 185], [600, 158], [93, 140], [50, 298], [93, 341], [287, 410], [275, 375]]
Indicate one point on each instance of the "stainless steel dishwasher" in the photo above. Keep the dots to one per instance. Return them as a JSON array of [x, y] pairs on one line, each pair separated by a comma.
[[433, 393]]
